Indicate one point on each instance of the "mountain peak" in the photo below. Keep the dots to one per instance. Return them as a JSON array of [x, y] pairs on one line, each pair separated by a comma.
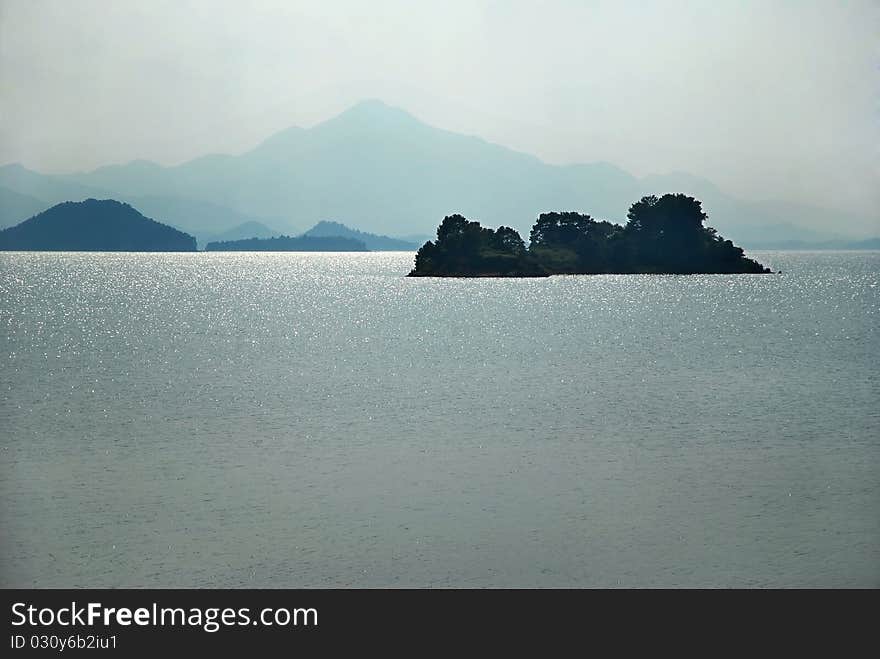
[[329, 225], [330, 228], [373, 112], [375, 106]]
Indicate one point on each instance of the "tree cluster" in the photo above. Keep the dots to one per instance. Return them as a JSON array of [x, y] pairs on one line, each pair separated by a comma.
[[663, 235], [466, 249]]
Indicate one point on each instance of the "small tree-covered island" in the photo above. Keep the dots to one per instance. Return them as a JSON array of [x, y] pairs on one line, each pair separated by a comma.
[[663, 235]]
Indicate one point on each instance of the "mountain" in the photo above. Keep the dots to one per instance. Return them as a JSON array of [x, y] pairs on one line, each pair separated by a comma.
[[203, 219], [49, 189], [244, 230], [289, 244], [24, 193], [94, 226], [417, 238], [371, 240], [15, 206], [869, 244], [753, 223], [379, 167]]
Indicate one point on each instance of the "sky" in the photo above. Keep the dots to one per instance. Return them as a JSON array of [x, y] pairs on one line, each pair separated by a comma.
[[768, 99]]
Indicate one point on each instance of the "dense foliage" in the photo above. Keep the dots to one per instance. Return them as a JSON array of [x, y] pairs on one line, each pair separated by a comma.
[[663, 235], [466, 249]]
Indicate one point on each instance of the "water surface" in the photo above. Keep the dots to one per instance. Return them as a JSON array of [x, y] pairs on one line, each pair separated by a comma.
[[293, 420]]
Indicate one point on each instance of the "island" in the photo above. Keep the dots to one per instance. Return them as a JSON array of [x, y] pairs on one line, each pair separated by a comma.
[[373, 241], [289, 244], [663, 235], [94, 225]]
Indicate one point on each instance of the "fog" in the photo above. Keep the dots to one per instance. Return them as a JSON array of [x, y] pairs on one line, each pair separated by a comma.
[[766, 99]]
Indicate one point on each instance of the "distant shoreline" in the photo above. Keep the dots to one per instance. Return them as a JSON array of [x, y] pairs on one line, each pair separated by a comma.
[[372, 251]]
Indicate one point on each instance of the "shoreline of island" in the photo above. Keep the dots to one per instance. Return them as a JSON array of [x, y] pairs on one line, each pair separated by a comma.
[[662, 235]]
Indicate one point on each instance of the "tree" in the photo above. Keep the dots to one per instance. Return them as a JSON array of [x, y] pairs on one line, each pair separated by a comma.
[[453, 226], [555, 229], [574, 242], [508, 240], [464, 248], [675, 214], [666, 234]]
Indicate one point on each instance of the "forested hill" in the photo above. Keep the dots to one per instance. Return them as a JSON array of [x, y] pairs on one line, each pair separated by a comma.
[[95, 226]]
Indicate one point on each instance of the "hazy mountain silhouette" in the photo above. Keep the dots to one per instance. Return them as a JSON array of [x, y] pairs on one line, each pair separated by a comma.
[[95, 226], [50, 190], [379, 168], [205, 220], [15, 206], [240, 232], [870, 243], [416, 238], [289, 244], [372, 241]]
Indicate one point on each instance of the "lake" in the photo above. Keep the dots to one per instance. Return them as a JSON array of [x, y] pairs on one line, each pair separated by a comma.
[[319, 420]]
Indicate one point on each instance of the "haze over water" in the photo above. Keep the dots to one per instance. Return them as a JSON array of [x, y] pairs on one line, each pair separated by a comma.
[[287, 420]]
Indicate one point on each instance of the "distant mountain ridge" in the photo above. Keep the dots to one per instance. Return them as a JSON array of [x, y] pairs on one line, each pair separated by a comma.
[[96, 226], [869, 244], [203, 219], [242, 231], [15, 206], [378, 167], [372, 241], [289, 244]]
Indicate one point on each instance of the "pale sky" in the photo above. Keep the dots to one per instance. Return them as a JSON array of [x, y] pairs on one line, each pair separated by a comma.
[[769, 99]]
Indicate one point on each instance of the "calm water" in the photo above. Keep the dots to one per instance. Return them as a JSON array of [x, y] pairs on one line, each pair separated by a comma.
[[319, 420]]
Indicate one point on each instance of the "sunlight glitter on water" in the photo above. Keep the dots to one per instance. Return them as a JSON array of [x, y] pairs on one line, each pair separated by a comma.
[[396, 431]]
